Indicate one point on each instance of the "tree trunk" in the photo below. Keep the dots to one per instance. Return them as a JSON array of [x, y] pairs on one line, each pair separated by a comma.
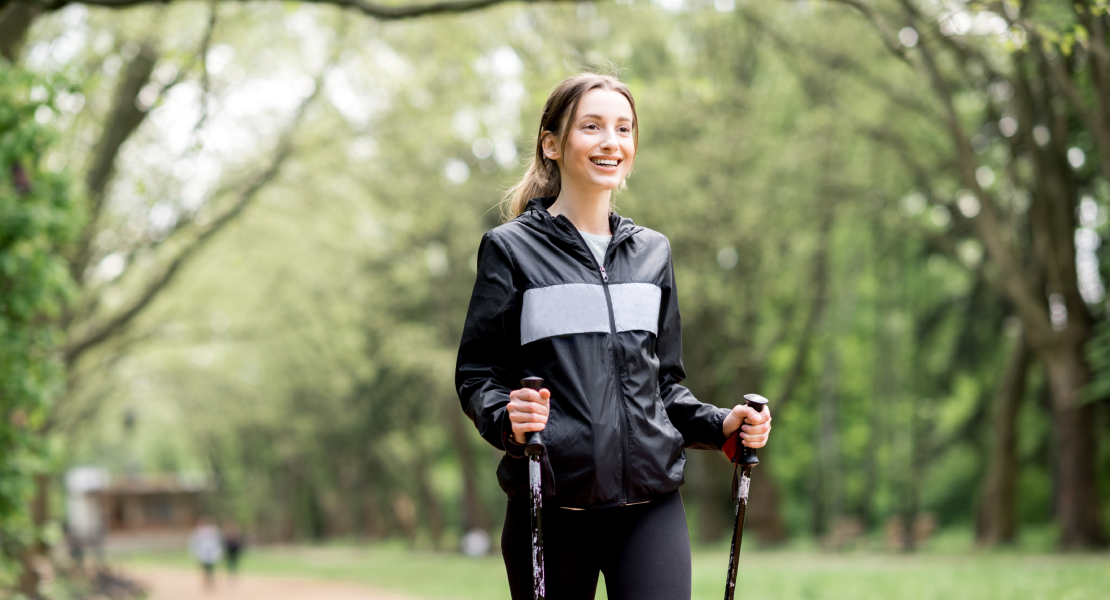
[[765, 505], [866, 504], [40, 512], [428, 499], [15, 20], [374, 524], [829, 506], [712, 473], [715, 477], [797, 372], [878, 417], [474, 515], [1076, 490], [912, 465], [708, 516], [997, 521]]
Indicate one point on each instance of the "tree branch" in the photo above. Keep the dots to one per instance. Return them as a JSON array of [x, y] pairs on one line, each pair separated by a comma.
[[965, 53], [879, 23], [74, 350], [125, 119], [15, 20], [1015, 282], [205, 80], [842, 62], [1097, 120], [383, 12]]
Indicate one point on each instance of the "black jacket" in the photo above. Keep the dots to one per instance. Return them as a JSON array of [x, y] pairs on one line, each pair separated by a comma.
[[607, 341]]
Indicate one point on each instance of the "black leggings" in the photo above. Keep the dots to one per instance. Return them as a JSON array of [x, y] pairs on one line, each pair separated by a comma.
[[643, 550]]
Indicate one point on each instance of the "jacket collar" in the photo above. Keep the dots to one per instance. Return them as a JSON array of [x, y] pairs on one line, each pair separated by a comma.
[[535, 215]]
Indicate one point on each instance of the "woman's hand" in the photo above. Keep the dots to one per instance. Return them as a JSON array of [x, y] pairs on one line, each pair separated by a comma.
[[755, 427], [528, 411]]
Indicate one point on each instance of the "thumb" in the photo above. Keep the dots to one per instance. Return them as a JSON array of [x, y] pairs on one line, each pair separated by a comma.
[[747, 414]]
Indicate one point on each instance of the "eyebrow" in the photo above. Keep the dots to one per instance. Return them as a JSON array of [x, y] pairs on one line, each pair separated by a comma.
[[599, 117]]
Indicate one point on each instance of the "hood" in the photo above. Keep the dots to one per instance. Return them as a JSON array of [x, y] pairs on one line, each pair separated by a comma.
[[562, 231]]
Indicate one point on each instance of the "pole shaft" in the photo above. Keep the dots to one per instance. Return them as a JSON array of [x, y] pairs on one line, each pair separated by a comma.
[[738, 532], [744, 459], [535, 449], [535, 483]]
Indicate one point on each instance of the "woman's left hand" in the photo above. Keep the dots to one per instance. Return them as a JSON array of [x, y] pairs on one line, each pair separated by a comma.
[[755, 427]]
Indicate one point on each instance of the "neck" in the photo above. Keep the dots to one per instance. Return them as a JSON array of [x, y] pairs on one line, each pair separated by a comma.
[[588, 210]]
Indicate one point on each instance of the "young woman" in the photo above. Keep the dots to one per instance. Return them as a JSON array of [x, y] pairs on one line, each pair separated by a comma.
[[584, 298]]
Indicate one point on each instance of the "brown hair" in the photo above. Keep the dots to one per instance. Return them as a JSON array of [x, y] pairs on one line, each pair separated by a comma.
[[541, 178]]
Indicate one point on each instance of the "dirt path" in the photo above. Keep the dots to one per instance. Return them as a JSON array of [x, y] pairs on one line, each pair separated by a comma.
[[176, 584]]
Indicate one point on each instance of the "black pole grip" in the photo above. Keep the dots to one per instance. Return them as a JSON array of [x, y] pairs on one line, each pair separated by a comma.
[[748, 455], [533, 441]]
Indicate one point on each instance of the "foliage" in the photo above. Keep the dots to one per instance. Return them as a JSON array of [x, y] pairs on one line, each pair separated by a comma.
[[809, 188], [38, 219]]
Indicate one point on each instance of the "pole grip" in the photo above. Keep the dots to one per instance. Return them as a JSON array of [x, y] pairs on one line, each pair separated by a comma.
[[747, 456], [533, 441]]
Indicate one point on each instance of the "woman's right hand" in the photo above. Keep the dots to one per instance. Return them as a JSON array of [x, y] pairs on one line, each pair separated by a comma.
[[528, 411]]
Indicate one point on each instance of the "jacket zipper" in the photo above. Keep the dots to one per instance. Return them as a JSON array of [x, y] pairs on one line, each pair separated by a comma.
[[616, 361], [620, 393]]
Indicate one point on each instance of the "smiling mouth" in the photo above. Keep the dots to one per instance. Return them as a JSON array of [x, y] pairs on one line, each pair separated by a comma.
[[605, 162]]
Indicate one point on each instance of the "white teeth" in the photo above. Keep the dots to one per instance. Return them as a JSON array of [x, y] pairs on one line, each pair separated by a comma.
[[605, 162]]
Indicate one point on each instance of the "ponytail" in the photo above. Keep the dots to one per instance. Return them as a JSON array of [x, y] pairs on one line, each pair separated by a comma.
[[541, 178]]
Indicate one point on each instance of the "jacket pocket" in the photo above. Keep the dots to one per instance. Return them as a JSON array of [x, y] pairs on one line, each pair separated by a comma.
[[675, 434], [512, 476]]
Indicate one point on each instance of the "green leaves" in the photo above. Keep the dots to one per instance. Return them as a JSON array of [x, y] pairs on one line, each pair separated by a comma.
[[38, 218], [308, 353]]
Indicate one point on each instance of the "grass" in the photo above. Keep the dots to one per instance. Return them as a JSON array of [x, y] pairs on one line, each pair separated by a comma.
[[767, 575]]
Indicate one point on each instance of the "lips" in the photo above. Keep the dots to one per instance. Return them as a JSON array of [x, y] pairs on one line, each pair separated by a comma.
[[605, 162]]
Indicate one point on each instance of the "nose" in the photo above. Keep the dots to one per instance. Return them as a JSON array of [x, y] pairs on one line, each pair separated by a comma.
[[609, 141]]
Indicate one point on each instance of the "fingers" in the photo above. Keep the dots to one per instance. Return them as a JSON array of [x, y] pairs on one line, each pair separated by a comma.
[[747, 414], [753, 443], [528, 410], [532, 396], [756, 426], [755, 436]]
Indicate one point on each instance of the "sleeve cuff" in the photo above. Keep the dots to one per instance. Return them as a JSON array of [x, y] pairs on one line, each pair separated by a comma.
[[513, 449], [719, 438]]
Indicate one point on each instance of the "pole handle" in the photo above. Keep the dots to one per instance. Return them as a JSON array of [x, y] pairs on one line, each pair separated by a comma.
[[533, 441], [746, 455]]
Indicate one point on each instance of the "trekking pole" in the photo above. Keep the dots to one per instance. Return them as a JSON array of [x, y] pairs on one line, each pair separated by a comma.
[[534, 449], [744, 459]]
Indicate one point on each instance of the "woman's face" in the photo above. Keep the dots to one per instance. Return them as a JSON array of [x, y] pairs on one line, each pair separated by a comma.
[[599, 146]]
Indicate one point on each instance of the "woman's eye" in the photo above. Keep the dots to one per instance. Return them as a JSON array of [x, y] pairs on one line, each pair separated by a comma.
[[589, 126]]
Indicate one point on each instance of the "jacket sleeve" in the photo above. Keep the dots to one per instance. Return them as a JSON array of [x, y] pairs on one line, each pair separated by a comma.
[[486, 367], [699, 423]]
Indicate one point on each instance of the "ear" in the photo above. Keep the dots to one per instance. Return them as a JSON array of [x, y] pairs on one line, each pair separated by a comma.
[[550, 145]]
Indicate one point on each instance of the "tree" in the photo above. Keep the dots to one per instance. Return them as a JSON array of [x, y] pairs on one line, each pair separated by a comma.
[[304, 350], [142, 267], [39, 218], [1023, 164]]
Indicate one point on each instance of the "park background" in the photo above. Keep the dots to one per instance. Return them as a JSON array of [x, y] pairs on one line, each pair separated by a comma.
[[237, 242]]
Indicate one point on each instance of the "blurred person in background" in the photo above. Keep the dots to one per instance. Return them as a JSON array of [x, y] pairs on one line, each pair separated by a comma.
[[75, 545], [572, 292], [207, 546], [233, 547]]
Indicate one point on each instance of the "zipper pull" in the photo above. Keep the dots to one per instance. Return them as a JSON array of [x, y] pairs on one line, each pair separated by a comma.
[[604, 276]]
